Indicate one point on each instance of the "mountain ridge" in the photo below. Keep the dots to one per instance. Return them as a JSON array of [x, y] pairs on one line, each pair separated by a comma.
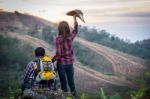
[[19, 20]]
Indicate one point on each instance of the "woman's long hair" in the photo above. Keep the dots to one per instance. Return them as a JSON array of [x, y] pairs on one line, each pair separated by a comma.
[[63, 29]]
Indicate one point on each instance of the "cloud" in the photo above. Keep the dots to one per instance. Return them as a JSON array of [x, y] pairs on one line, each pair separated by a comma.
[[1, 1], [140, 13], [42, 11], [136, 14], [25, 0], [51, 2]]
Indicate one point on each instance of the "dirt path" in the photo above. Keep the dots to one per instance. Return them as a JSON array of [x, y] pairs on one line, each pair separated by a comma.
[[91, 78], [120, 63]]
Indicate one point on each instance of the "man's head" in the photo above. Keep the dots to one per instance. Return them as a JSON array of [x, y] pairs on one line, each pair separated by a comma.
[[39, 52]]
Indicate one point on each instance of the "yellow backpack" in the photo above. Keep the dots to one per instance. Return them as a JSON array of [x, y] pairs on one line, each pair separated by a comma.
[[44, 69]]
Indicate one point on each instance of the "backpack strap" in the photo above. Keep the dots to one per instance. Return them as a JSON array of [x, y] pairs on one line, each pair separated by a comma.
[[36, 70]]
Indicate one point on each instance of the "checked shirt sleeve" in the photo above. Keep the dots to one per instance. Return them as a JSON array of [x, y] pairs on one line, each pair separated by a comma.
[[28, 72]]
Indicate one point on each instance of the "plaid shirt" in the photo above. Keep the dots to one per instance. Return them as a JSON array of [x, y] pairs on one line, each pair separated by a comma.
[[29, 71], [64, 49]]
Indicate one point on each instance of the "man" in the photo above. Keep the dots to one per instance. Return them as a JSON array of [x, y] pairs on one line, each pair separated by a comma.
[[40, 72]]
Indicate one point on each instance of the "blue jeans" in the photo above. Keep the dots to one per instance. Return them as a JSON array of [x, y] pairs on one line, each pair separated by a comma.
[[66, 75]]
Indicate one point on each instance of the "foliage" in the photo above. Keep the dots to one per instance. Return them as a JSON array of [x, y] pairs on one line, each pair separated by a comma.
[[89, 95], [139, 93], [14, 56], [102, 94], [68, 97], [139, 48], [14, 93], [117, 96], [142, 91], [48, 34], [11, 28], [33, 31], [83, 96]]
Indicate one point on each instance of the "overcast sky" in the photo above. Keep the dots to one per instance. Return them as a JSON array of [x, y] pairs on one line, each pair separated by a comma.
[[128, 19]]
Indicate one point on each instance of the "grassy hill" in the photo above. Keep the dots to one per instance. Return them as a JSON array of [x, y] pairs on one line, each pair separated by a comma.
[[139, 49], [21, 21], [91, 78], [96, 65]]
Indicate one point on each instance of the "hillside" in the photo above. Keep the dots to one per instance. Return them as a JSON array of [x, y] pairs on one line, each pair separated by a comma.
[[121, 64], [139, 49], [94, 80], [123, 68], [23, 21]]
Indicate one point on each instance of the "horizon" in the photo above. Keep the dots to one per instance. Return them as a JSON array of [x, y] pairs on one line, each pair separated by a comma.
[[123, 18]]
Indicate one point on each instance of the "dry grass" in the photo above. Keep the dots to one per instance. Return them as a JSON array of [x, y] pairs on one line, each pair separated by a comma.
[[122, 65]]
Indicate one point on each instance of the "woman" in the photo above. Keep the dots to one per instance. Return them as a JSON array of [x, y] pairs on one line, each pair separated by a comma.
[[64, 55]]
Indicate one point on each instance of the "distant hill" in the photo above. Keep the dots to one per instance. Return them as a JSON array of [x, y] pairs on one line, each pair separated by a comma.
[[19, 20], [139, 49]]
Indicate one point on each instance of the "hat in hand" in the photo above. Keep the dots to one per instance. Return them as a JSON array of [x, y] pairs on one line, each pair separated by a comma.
[[76, 12]]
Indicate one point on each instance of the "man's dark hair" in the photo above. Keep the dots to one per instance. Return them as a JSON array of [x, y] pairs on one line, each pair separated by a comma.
[[39, 51]]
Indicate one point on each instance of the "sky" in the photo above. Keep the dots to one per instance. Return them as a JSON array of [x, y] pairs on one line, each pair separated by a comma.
[[128, 19]]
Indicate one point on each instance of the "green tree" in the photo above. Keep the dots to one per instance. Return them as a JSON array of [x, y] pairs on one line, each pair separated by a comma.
[[48, 34]]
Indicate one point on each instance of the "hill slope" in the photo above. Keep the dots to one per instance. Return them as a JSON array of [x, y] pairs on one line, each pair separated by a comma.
[[19, 20], [120, 62], [125, 67], [82, 73]]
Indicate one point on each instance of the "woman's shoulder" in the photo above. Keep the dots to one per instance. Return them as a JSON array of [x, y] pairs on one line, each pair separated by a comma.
[[60, 38]]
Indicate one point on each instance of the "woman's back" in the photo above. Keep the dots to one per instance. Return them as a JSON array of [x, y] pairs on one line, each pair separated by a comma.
[[65, 49], [64, 40]]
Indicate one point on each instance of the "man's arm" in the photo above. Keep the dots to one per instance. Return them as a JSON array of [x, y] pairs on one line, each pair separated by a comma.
[[28, 71]]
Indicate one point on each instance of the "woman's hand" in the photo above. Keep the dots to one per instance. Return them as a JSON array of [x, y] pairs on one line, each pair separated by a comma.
[[53, 59]]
